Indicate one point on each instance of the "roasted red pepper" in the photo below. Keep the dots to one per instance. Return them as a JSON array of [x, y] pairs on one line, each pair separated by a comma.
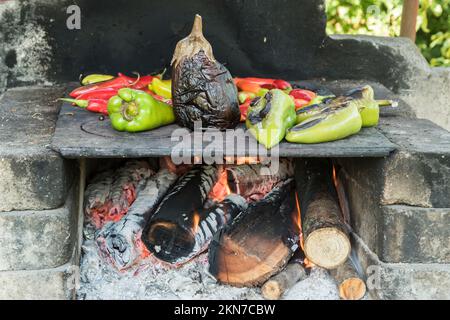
[[244, 108], [121, 81], [103, 94], [282, 84], [142, 82], [302, 94], [300, 103], [93, 105], [245, 84]]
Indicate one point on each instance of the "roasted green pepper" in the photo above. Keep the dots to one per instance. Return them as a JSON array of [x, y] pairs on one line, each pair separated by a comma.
[[270, 116], [316, 106], [368, 107], [330, 125], [133, 111], [363, 97]]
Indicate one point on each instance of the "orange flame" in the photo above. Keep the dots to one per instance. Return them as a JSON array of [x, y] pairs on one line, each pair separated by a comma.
[[195, 222], [241, 160], [306, 262], [334, 176]]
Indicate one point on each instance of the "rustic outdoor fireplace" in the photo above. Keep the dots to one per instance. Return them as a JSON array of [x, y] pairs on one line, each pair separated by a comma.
[[171, 213], [231, 213]]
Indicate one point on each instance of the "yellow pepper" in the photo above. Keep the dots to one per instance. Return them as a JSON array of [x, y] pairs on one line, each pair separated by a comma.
[[162, 88]]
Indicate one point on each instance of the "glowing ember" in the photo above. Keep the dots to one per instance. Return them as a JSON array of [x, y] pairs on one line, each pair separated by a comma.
[[221, 188], [242, 160]]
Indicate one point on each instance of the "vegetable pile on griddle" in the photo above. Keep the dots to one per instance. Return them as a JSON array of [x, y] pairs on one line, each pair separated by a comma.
[[202, 88]]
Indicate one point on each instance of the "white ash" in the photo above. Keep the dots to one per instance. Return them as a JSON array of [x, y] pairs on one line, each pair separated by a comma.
[[318, 286], [153, 280]]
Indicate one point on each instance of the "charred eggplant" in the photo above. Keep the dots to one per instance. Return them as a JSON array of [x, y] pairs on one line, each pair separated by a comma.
[[202, 88]]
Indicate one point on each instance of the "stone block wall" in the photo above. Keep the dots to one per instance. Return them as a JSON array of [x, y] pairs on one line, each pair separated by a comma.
[[38, 199], [400, 211]]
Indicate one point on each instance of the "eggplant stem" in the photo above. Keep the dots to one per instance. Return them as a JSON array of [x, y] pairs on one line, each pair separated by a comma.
[[197, 28]]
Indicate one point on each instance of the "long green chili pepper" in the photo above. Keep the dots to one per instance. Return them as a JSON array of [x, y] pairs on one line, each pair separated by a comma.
[[330, 125]]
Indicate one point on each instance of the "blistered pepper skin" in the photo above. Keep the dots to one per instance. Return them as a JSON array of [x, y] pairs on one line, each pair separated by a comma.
[[328, 126], [134, 111], [270, 117], [367, 105]]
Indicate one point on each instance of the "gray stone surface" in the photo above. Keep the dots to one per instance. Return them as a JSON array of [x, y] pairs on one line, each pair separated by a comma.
[[31, 175], [416, 175], [37, 45], [38, 239], [47, 284], [415, 235], [419, 172], [402, 280], [430, 96], [394, 62]]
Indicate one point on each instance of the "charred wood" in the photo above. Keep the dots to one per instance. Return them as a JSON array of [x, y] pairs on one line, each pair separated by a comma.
[[120, 242], [259, 242], [110, 194], [165, 235], [253, 182]]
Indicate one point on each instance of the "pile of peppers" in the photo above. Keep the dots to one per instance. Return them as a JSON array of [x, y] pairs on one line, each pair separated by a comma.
[[271, 108], [97, 89], [276, 115], [133, 104]]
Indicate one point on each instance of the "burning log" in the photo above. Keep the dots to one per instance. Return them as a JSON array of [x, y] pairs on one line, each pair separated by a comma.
[[326, 241], [96, 204], [123, 189], [167, 163], [350, 284], [120, 242], [170, 234], [111, 193], [253, 182], [279, 284], [259, 242]]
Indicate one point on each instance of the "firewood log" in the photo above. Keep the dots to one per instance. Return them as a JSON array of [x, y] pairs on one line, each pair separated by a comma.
[[169, 233], [259, 242], [110, 194], [350, 284], [276, 286], [120, 242], [96, 195], [123, 189], [253, 182], [325, 235]]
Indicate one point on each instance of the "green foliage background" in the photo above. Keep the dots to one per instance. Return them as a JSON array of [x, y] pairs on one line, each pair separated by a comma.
[[383, 18]]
